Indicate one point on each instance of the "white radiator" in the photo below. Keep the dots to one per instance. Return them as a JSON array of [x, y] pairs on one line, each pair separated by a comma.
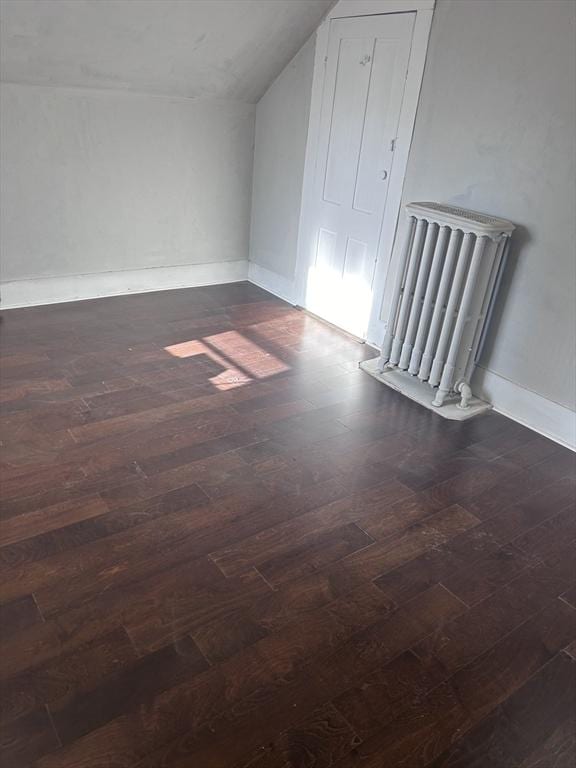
[[445, 286]]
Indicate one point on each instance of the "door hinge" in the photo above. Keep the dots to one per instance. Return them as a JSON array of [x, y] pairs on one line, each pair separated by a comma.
[[392, 145], [325, 59]]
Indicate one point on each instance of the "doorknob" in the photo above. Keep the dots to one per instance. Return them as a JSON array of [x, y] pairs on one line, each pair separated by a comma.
[[383, 175]]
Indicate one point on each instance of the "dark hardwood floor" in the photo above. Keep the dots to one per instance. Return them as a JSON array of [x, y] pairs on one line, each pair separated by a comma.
[[224, 546]]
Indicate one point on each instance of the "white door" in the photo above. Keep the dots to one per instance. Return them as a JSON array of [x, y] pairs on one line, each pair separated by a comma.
[[364, 81]]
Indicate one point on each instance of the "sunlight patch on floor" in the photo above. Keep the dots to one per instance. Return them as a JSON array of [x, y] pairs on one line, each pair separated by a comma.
[[240, 360]]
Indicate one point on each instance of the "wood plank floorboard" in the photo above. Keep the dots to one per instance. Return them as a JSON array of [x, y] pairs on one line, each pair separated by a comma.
[[222, 545]]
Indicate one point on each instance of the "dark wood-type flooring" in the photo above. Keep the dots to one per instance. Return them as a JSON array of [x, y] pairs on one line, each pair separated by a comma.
[[224, 546]]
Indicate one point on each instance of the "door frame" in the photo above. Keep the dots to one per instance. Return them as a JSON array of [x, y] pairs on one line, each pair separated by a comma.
[[344, 9]]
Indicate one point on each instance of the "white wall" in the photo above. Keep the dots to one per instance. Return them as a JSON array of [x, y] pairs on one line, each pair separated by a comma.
[[98, 181], [495, 133], [281, 131]]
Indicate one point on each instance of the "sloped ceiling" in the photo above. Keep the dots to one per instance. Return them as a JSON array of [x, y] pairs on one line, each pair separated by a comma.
[[218, 49]]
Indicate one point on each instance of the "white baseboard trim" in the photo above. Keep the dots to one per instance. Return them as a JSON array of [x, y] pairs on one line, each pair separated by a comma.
[[56, 290], [528, 408], [272, 282]]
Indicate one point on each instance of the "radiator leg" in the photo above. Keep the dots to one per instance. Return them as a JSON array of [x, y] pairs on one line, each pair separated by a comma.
[[441, 395], [465, 394], [438, 401]]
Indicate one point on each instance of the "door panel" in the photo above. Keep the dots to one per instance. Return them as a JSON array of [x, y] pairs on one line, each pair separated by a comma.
[[346, 119], [362, 97], [368, 184], [355, 261], [326, 252]]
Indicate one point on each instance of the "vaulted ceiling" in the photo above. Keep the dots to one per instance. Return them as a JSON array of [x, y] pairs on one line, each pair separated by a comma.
[[218, 49]]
